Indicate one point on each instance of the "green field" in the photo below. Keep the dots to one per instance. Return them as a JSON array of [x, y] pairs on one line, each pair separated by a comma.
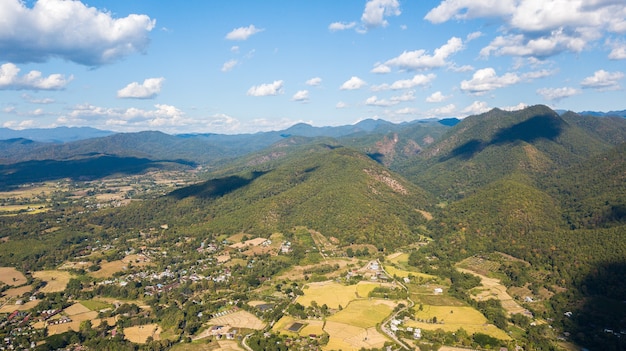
[[95, 305], [333, 294]]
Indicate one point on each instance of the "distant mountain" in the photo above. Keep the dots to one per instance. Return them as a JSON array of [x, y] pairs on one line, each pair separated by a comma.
[[621, 113], [54, 135], [529, 143]]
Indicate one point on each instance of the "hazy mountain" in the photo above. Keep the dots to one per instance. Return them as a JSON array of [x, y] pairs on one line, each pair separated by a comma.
[[54, 135]]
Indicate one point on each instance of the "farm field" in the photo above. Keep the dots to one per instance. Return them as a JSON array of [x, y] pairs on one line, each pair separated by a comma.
[[333, 294], [452, 318], [107, 269], [140, 333], [393, 271], [11, 276], [56, 280], [239, 319]]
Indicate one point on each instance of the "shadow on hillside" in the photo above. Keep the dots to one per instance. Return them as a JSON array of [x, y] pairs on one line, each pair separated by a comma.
[[533, 129], [81, 169], [601, 320], [215, 187]]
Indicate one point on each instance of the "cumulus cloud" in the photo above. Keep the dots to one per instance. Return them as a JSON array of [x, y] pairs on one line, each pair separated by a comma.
[[337, 26], [69, 30], [486, 79], [341, 105], [274, 88], [437, 97], [406, 111], [315, 81], [539, 28], [557, 94], [301, 95], [618, 50], [33, 80], [381, 68], [149, 89], [444, 111], [376, 11], [353, 83], [419, 59], [417, 80], [517, 107], [243, 33], [476, 107], [407, 96], [229, 65], [603, 80], [374, 101]]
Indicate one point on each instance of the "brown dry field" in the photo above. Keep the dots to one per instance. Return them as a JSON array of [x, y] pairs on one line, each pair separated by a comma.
[[239, 319], [75, 325], [56, 280], [16, 292], [139, 333], [11, 276], [348, 337], [12, 307], [228, 345], [107, 269]]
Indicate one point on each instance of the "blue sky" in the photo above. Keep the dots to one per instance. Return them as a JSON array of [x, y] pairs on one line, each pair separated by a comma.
[[247, 66]]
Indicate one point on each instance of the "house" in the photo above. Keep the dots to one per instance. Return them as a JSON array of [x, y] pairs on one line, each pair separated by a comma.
[[438, 291], [417, 333]]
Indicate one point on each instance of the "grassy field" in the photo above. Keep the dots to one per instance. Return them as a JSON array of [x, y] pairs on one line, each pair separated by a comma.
[[239, 319], [364, 313], [452, 318], [95, 305], [334, 294], [393, 271], [139, 333], [11, 276], [56, 280], [107, 269], [491, 288]]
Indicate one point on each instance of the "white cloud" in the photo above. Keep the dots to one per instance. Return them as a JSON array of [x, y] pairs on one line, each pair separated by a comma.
[[467, 9], [407, 96], [539, 28], [486, 79], [460, 69], [337, 26], [33, 80], [406, 111], [417, 80], [341, 105], [381, 68], [437, 97], [444, 111], [419, 59], [353, 83], [274, 88], [315, 81], [557, 94], [149, 89], [376, 11], [69, 30], [528, 76], [243, 33], [301, 95], [517, 107], [19, 125], [603, 80], [473, 35], [234, 49], [229, 65], [618, 50], [476, 107], [33, 100], [374, 101]]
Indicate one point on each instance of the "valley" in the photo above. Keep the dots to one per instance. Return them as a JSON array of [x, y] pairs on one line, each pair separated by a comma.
[[504, 231]]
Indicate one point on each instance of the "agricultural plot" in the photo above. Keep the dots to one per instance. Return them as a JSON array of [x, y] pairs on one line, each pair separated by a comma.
[[393, 271], [56, 280], [239, 319], [452, 318], [334, 294], [140, 333], [11, 276], [347, 337], [107, 269]]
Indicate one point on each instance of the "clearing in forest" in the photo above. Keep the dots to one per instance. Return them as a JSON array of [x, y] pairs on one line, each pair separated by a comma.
[[56, 280], [140, 333], [11, 276]]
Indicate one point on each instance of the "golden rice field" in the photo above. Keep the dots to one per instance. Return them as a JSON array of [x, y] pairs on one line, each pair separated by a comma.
[[334, 294], [452, 318]]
